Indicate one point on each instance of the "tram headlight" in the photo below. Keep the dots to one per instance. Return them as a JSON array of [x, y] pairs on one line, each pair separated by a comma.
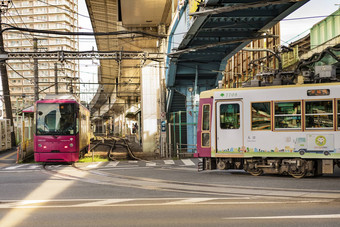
[[71, 144]]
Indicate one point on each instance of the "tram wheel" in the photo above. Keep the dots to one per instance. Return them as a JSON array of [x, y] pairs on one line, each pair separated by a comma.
[[298, 175], [221, 165], [256, 172]]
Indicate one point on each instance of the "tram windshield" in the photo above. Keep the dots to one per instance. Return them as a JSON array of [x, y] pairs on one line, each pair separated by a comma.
[[56, 119]]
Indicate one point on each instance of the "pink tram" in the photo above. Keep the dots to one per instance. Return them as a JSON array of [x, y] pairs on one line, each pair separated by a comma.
[[62, 132]]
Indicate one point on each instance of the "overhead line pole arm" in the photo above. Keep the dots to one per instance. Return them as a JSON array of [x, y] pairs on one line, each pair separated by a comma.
[[63, 55]]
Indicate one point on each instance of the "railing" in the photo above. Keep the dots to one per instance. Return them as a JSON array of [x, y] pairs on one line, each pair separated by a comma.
[[25, 150], [184, 151]]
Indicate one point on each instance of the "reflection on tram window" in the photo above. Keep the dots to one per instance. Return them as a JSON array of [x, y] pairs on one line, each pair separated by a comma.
[[206, 117], [205, 139], [319, 114], [288, 115], [260, 116], [230, 116]]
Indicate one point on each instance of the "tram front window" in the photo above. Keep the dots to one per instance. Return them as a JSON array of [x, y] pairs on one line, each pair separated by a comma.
[[55, 119]]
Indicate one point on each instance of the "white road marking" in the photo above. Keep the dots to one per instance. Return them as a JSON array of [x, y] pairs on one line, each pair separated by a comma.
[[188, 162], [16, 166], [34, 167], [190, 201], [112, 164], [28, 204], [94, 165], [150, 164], [324, 216], [132, 161], [102, 203], [169, 162]]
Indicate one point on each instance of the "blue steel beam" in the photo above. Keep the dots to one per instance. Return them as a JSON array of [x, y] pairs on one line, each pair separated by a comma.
[[211, 40]]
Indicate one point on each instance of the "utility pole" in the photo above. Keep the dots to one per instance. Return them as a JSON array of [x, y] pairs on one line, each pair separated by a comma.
[[56, 78], [4, 76], [36, 75]]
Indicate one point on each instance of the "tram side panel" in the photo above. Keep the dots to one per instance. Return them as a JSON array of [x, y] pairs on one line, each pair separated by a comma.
[[84, 129]]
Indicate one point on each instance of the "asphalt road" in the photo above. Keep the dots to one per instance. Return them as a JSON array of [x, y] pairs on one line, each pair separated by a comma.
[[161, 193]]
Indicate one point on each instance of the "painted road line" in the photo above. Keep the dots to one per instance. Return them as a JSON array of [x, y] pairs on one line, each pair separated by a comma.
[[102, 203], [150, 164], [94, 165], [190, 201], [9, 155], [34, 167], [169, 162], [131, 162], [69, 203], [112, 164], [188, 162], [323, 216], [16, 167]]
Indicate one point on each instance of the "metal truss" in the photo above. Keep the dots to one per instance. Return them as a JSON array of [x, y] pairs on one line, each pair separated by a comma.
[[85, 55]]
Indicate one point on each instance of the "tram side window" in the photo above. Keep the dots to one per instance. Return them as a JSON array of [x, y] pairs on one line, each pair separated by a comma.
[[319, 114], [260, 116], [287, 115], [230, 116], [206, 117], [206, 126]]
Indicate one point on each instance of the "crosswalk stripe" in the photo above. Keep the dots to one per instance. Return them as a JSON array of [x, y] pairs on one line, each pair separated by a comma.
[[112, 164], [150, 164], [94, 165], [16, 166], [188, 162], [169, 162]]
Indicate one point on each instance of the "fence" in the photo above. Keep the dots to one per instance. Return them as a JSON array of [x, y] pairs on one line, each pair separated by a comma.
[[182, 133]]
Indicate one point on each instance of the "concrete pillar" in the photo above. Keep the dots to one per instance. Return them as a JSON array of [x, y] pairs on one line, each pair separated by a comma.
[[150, 107]]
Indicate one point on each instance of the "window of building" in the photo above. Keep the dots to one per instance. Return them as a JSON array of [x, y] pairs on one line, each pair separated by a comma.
[[261, 116], [319, 114], [288, 115], [230, 116]]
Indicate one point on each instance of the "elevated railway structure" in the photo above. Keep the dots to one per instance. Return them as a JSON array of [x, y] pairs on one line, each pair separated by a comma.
[[138, 85], [203, 37]]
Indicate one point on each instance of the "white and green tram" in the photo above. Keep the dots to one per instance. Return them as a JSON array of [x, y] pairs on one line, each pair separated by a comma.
[[278, 129]]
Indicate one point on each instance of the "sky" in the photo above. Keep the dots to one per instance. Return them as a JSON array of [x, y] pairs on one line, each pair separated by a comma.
[[88, 68], [298, 25]]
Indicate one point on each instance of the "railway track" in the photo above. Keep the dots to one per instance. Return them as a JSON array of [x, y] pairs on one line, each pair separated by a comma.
[[113, 144]]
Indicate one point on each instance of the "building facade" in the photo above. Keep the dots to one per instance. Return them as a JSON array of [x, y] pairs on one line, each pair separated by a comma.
[[56, 15]]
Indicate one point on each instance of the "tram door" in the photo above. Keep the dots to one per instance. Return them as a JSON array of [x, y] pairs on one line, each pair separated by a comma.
[[229, 126]]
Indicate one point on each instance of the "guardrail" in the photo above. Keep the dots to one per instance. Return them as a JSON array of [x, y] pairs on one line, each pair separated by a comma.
[[184, 151]]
